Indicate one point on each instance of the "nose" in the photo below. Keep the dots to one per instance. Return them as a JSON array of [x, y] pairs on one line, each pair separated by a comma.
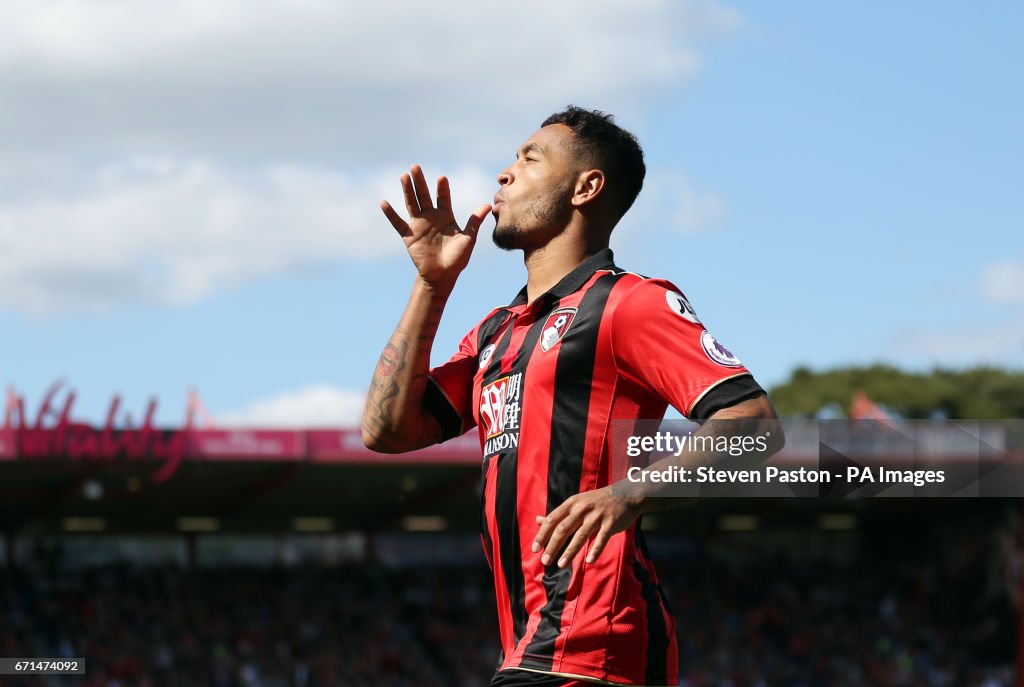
[[505, 176]]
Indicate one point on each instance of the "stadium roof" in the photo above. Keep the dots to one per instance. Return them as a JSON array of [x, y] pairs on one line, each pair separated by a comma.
[[61, 476], [237, 480]]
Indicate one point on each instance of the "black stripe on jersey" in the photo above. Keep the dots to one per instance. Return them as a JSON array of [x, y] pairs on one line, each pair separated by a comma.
[[505, 501], [488, 329], [574, 372], [493, 369], [488, 544], [500, 495], [506, 491], [491, 325], [657, 633]]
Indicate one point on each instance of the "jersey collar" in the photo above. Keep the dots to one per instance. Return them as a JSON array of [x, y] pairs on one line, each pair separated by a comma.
[[601, 260]]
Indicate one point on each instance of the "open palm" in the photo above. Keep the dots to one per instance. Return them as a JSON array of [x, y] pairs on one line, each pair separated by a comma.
[[439, 248]]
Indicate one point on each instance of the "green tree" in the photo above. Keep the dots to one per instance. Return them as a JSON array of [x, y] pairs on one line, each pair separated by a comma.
[[983, 393]]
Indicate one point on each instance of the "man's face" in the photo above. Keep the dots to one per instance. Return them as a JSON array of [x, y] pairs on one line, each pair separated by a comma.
[[533, 204]]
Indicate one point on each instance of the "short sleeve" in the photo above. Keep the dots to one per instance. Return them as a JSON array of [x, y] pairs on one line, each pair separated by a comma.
[[658, 341], [449, 392]]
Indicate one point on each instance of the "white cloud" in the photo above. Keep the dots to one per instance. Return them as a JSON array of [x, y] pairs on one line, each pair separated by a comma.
[[670, 199], [1003, 282], [330, 80], [313, 406], [997, 342], [1000, 343], [166, 231], [696, 210], [159, 152], [700, 211]]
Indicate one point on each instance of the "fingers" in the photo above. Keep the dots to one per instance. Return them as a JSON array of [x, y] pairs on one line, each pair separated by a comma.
[[558, 530], [418, 201], [584, 533], [419, 183], [599, 542], [444, 194], [476, 219], [417, 195], [396, 220], [546, 526], [411, 203], [595, 516]]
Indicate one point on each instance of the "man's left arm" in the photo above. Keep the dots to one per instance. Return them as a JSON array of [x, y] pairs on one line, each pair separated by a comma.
[[601, 513]]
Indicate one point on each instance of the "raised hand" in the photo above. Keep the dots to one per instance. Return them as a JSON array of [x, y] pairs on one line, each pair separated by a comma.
[[439, 248]]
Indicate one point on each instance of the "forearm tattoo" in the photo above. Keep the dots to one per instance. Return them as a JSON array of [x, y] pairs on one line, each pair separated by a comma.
[[387, 383]]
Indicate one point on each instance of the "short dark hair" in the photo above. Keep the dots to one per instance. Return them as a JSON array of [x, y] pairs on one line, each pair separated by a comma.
[[602, 143]]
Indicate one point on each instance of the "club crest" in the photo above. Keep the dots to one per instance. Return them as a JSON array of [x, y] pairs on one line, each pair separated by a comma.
[[556, 326]]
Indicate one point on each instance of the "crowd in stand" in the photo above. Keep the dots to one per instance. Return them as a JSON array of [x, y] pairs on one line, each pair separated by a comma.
[[942, 620]]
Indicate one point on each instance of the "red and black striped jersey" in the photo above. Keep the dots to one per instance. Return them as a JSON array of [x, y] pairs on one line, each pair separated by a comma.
[[543, 382]]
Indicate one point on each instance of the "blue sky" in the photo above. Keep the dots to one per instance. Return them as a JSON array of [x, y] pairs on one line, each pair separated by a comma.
[[188, 193]]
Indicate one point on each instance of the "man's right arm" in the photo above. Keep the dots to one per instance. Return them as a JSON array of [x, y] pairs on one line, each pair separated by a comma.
[[395, 419]]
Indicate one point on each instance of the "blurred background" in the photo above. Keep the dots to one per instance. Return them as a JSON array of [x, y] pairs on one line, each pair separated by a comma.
[[196, 282]]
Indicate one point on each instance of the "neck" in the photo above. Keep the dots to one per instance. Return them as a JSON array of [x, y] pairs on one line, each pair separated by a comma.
[[548, 264]]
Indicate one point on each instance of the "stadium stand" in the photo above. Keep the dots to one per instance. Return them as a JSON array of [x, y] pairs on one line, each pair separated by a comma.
[[792, 608]]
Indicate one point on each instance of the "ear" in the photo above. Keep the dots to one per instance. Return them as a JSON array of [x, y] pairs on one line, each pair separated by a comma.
[[589, 185]]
